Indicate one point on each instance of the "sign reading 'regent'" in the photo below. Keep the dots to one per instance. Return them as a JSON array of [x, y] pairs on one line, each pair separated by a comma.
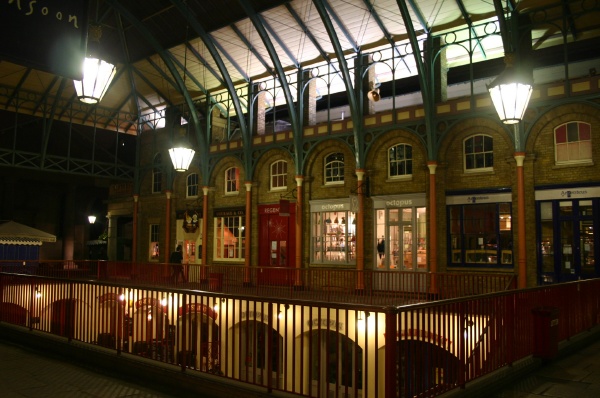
[[48, 35]]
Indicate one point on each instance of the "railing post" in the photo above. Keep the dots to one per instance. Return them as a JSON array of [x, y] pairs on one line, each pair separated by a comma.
[[391, 352], [269, 342], [183, 331], [71, 312]]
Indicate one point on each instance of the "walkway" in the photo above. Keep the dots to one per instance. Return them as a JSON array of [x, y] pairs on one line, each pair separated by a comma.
[[26, 373], [575, 373]]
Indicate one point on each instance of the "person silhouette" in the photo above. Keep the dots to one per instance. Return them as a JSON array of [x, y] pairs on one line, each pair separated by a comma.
[[176, 260]]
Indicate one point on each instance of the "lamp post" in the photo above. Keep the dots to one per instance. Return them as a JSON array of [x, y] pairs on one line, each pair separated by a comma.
[[97, 73], [510, 93]]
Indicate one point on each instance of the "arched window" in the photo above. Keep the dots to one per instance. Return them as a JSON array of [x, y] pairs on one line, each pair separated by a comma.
[[232, 180], [573, 143], [479, 153], [400, 161], [334, 168], [157, 174], [279, 175], [192, 185]]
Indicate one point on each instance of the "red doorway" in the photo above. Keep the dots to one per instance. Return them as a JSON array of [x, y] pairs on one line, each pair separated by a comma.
[[276, 243]]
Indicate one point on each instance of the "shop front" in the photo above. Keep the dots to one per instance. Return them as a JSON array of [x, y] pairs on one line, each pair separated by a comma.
[[277, 241], [400, 231], [567, 218]]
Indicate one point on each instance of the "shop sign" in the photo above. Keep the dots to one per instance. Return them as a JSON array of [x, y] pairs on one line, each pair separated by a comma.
[[568, 193], [239, 212]]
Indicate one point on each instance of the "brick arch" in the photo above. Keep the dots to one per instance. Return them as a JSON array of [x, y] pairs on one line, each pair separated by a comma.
[[314, 165], [451, 156], [263, 174], [377, 164]]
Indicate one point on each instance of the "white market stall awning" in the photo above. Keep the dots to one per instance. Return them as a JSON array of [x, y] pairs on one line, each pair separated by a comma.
[[13, 233]]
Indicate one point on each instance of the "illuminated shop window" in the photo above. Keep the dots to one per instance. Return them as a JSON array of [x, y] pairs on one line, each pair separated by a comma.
[[154, 244], [229, 238], [334, 237], [480, 234]]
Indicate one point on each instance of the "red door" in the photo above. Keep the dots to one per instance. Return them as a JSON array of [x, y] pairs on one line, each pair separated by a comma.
[[277, 244]]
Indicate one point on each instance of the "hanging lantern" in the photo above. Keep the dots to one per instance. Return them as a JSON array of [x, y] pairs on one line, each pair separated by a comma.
[[181, 153], [97, 73], [510, 93]]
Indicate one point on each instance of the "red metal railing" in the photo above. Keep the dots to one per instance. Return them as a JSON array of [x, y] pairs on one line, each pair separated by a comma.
[[329, 285], [306, 348]]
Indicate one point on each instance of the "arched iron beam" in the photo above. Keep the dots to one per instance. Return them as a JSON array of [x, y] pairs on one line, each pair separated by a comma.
[[154, 88], [233, 62], [252, 49], [281, 43], [212, 49], [384, 30], [419, 16], [162, 73], [206, 65], [167, 60], [424, 74], [262, 33], [125, 50], [46, 94], [311, 37], [340, 24], [467, 18], [115, 114], [187, 73], [356, 114], [307, 32], [50, 118], [18, 87]]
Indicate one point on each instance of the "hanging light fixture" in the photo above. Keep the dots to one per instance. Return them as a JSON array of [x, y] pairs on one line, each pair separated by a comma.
[[181, 154], [373, 94], [97, 73], [510, 92], [92, 219]]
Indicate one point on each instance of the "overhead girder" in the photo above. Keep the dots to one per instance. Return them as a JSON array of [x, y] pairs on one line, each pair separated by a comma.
[[310, 36], [212, 49], [281, 43], [251, 48], [340, 24], [294, 119], [18, 87], [384, 30], [424, 75], [169, 64], [356, 114], [469, 22], [206, 65]]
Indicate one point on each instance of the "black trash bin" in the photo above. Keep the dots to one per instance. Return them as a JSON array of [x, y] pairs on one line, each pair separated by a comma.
[[545, 328]]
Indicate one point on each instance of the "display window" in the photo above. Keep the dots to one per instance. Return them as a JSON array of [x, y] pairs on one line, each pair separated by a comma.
[[480, 230], [333, 233], [229, 235]]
